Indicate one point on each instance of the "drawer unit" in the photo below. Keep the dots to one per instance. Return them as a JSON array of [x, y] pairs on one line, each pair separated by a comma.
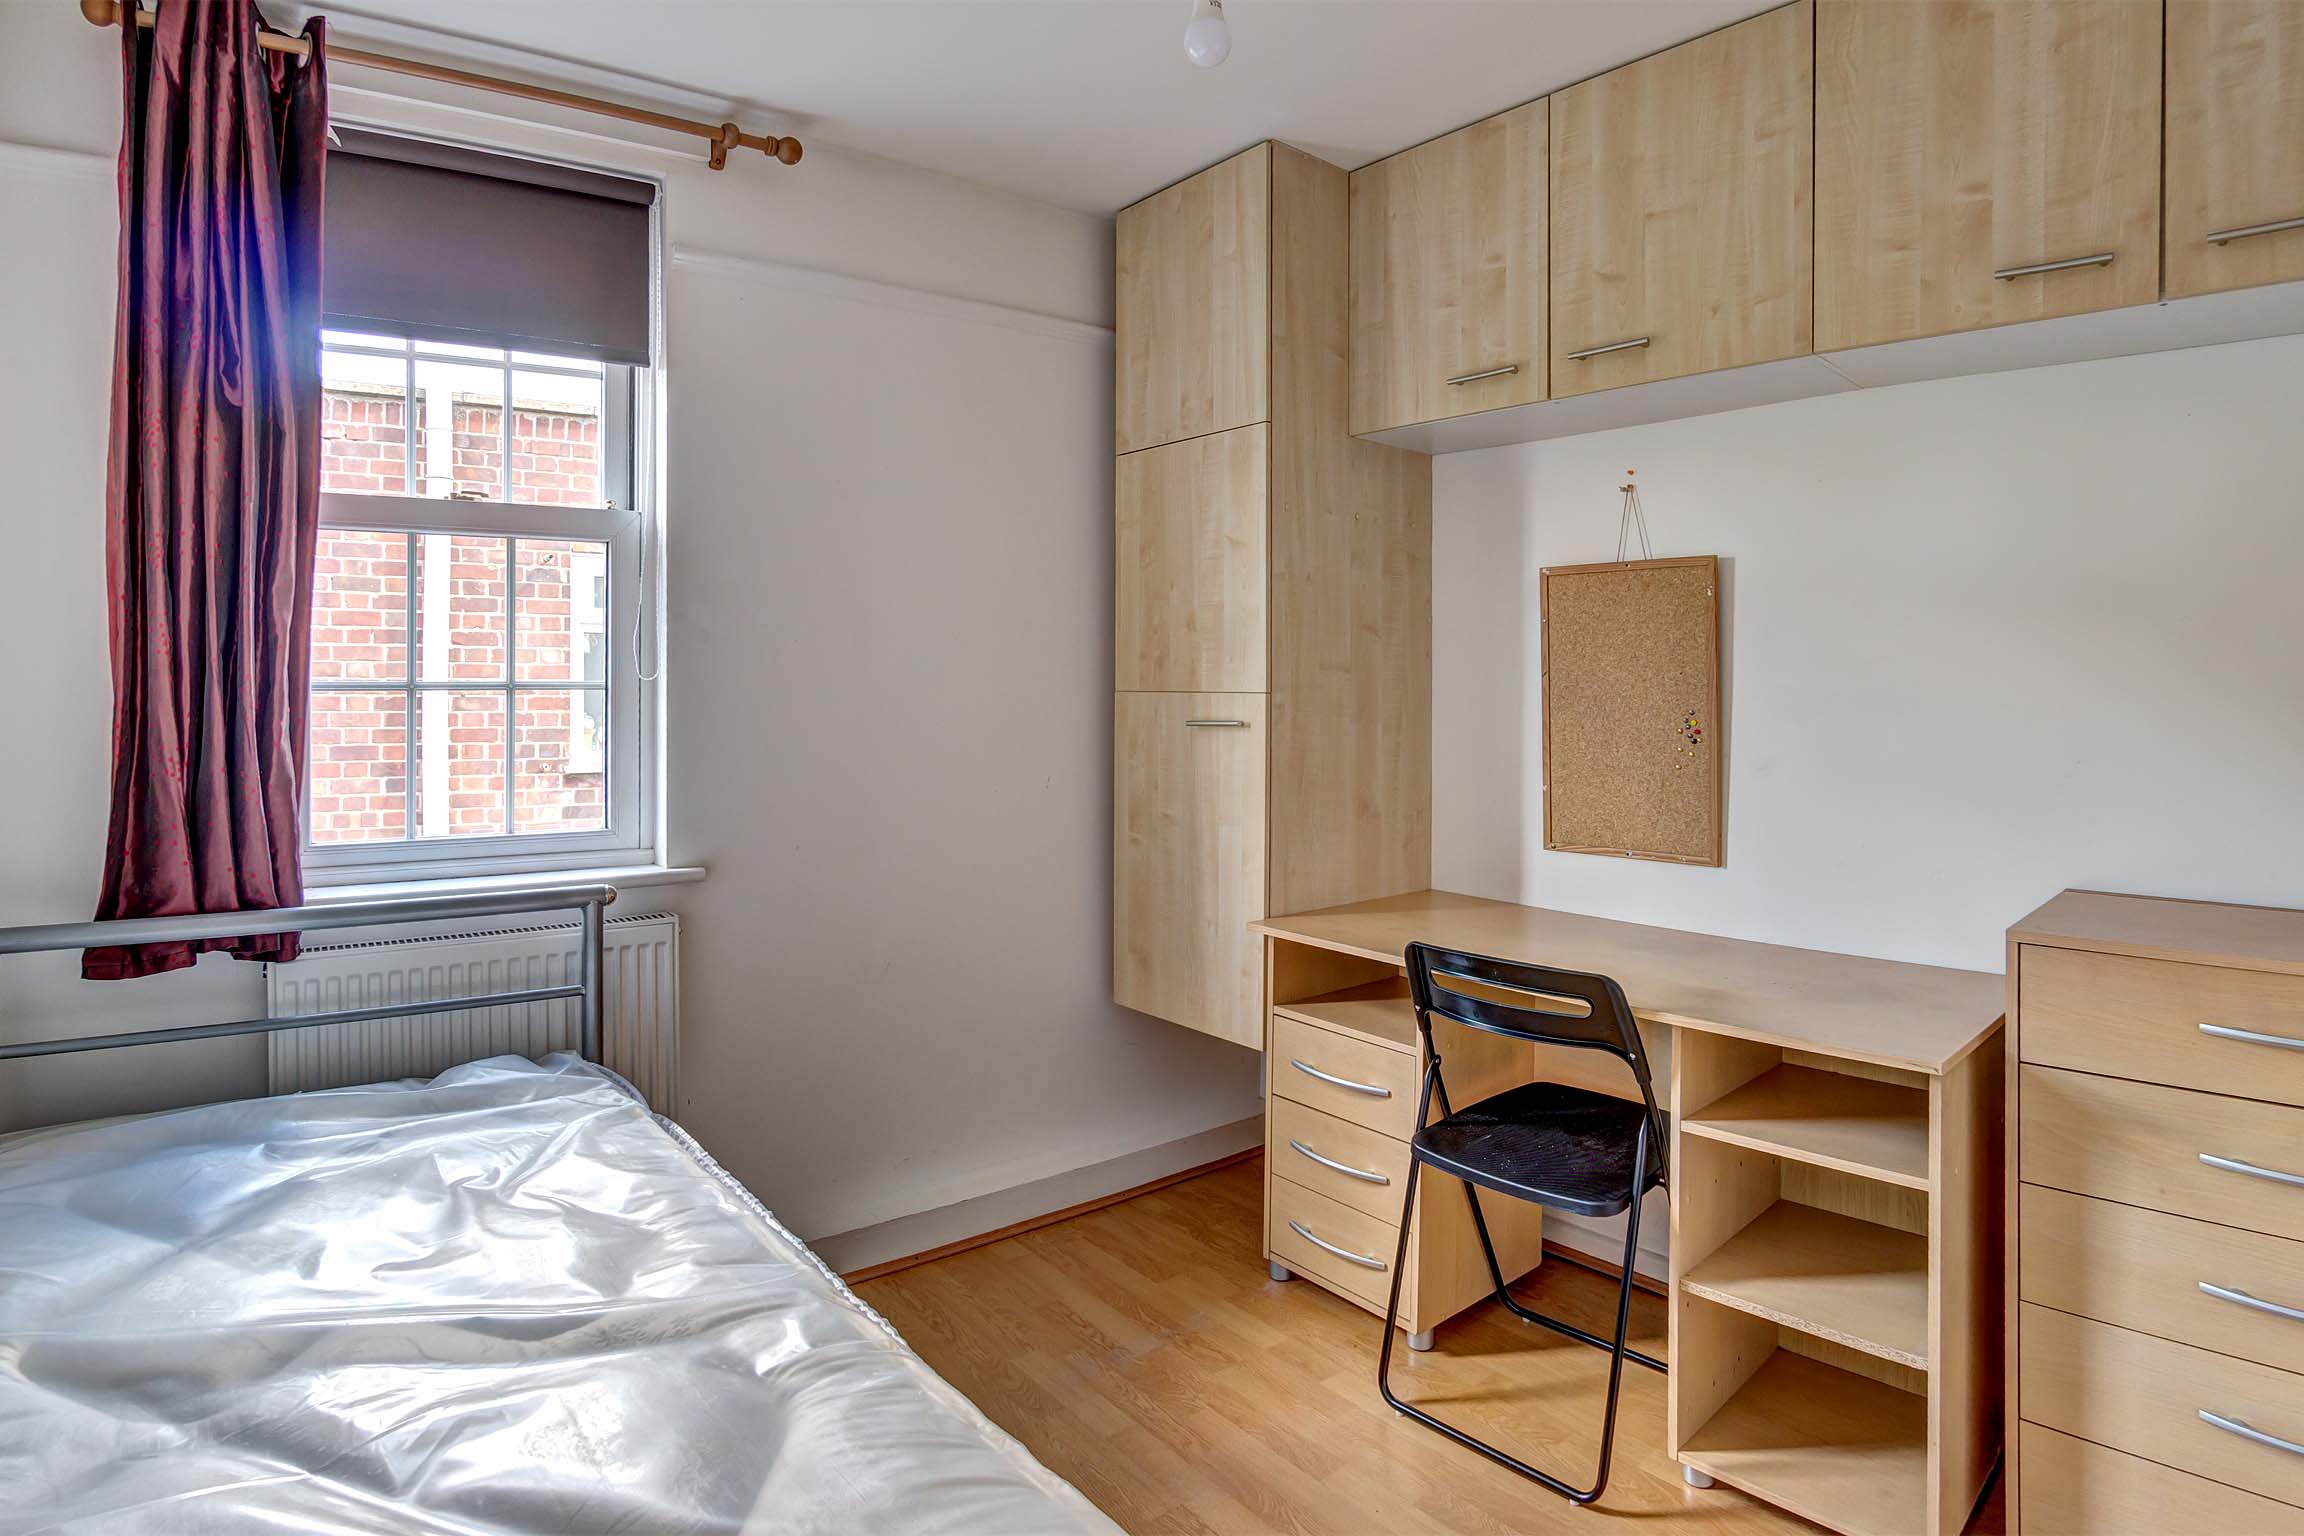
[[2156, 1217], [1345, 1076], [1348, 1163], [2150, 1397], [2192, 1026], [2153, 1272]]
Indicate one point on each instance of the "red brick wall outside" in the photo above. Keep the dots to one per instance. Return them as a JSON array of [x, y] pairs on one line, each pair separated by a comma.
[[360, 759]]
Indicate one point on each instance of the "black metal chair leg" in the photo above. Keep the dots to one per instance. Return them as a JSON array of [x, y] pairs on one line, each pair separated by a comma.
[[1528, 1314]]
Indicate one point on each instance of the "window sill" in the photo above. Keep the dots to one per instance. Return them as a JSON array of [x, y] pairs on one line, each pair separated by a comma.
[[622, 876]]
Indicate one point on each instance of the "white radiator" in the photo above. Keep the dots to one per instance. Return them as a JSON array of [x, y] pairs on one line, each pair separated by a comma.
[[640, 1029]]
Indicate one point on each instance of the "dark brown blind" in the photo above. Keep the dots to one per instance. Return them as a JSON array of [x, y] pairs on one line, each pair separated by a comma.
[[432, 240]]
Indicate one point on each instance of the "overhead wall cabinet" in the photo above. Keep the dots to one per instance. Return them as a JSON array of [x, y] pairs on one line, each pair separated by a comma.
[[2235, 144], [1981, 162], [1448, 274], [1680, 209], [1272, 594]]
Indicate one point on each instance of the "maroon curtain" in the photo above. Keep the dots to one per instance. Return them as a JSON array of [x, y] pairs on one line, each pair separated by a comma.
[[214, 491]]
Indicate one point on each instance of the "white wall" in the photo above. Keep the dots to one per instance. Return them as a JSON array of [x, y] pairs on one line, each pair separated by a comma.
[[889, 660]]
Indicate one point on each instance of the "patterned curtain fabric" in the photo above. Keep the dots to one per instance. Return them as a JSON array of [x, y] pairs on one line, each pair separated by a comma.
[[214, 491]]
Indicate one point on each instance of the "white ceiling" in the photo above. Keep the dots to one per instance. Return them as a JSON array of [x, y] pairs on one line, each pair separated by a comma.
[[1088, 104]]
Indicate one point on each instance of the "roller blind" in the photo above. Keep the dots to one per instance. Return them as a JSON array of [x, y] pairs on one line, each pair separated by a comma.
[[433, 240]]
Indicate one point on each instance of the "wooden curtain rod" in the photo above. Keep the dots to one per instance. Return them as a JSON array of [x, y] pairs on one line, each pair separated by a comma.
[[723, 136]]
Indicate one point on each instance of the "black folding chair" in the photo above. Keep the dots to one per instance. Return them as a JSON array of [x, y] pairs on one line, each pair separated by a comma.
[[1564, 1148]]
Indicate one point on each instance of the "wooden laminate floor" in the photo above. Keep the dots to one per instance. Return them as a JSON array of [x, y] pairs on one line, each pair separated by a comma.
[[1141, 1353]]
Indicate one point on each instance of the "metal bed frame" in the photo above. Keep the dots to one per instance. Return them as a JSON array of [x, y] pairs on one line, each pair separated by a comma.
[[591, 901]]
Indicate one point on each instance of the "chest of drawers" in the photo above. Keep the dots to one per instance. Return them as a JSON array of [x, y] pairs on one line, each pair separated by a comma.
[[2156, 1217]]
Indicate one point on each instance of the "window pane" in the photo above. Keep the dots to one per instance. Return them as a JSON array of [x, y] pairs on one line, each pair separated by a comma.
[[360, 607], [460, 431], [462, 622], [563, 610], [359, 767], [556, 440], [562, 761], [460, 764], [363, 424]]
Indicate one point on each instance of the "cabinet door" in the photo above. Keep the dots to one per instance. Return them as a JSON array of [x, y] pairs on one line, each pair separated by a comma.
[[2235, 143], [1192, 306], [1188, 859], [1448, 286], [1962, 142], [1681, 237], [1191, 540]]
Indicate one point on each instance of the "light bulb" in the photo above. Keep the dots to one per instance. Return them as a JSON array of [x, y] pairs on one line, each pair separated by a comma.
[[1207, 36]]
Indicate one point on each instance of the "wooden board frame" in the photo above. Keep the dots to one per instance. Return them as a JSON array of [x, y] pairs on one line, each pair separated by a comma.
[[1712, 807]]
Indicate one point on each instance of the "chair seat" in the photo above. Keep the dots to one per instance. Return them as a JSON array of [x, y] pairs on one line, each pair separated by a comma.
[[1569, 1149]]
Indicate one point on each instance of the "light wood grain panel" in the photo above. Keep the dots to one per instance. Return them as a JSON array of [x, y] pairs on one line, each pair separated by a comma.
[[1191, 306], [1296, 1131], [1448, 273], [1351, 585], [2143, 1395], [1385, 1098], [1444, 1256], [1853, 1282], [2157, 927], [1843, 1450], [1188, 834], [1377, 1011], [1961, 137], [1855, 1124], [1966, 1297], [2072, 1488], [2128, 1017], [2143, 1270], [2141, 1144], [1355, 1231], [2235, 142], [1681, 189], [1190, 565]]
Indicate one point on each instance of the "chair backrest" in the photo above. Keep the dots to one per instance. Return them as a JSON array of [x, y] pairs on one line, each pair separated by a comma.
[[1531, 1002]]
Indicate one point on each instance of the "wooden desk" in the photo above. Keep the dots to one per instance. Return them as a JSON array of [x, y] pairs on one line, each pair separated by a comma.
[[1835, 1188]]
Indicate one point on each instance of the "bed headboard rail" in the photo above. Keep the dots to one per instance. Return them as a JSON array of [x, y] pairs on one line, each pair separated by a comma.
[[591, 901]]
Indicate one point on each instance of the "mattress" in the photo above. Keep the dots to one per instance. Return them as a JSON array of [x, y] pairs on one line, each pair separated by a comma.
[[507, 1299]]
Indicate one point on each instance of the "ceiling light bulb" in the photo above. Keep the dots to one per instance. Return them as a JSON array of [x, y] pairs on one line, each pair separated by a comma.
[[1207, 36]]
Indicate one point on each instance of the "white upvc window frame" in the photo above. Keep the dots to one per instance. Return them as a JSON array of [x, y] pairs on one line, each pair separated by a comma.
[[634, 705]]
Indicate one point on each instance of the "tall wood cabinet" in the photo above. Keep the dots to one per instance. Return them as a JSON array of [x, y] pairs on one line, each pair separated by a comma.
[[1680, 209], [1981, 162], [2235, 144], [1272, 593]]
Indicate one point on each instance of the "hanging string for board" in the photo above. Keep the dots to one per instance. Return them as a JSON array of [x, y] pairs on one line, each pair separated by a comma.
[[1632, 518]]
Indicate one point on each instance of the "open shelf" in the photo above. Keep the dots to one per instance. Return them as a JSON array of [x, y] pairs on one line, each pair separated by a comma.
[[1853, 1282], [1873, 1129], [1841, 1449], [1377, 1011]]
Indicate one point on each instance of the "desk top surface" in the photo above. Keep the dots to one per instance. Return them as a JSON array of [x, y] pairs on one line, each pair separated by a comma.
[[1922, 1017]]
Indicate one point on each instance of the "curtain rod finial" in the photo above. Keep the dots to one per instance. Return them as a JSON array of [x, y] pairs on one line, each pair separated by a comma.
[[101, 13], [787, 150]]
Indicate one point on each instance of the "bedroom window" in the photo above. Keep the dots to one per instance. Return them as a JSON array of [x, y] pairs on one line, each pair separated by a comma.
[[471, 709]]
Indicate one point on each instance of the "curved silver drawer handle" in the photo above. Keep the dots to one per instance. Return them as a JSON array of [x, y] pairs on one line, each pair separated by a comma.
[[1346, 1254], [2069, 263], [2224, 236], [2242, 1298], [1367, 1177], [1607, 347], [2234, 1165], [2227, 1032], [1486, 373], [2246, 1431], [1369, 1089]]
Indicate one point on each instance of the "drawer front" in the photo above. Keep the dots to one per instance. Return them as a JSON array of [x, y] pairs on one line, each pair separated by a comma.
[[1364, 1169], [2144, 1270], [2141, 1144], [2126, 1017], [1350, 1079], [2143, 1395], [2072, 1488], [1344, 1231]]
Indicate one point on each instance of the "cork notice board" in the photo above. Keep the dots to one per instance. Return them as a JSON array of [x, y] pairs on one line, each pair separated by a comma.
[[1632, 709]]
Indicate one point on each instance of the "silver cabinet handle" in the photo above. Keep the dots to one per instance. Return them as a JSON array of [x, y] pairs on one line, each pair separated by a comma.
[[2230, 1425], [1364, 1176], [1346, 1254], [1613, 346], [2234, 1165], [2227, 1032], [1485, 373], [1369, 1089], [1217, 725], [2034, 269], [2242, 1298], [2226, 236]]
